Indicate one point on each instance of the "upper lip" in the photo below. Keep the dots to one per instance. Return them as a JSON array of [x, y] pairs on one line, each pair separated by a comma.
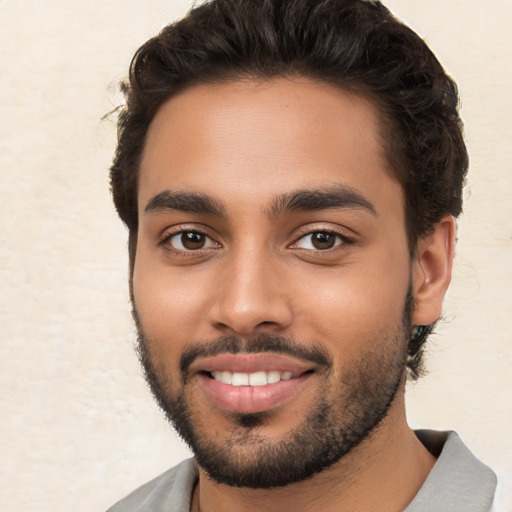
[[250, 363]]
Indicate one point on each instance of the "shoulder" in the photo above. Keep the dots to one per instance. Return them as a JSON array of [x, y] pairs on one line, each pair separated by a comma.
[[458, 482], [171, 490]]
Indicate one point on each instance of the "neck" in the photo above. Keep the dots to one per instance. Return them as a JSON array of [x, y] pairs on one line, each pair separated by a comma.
[[383, 473]]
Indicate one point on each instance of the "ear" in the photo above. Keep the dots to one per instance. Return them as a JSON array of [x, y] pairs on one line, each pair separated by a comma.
[[432, 271]]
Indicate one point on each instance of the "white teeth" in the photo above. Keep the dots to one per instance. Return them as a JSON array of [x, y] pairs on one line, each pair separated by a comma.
[[226, 377], [240, 379], [258, 379], [273, 377], [261, 378]]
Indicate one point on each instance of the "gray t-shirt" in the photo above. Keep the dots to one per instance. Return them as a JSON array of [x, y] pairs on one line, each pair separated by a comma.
[[458, 482]]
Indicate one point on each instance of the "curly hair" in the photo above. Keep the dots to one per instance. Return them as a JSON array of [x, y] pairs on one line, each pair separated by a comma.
[[355, 45]]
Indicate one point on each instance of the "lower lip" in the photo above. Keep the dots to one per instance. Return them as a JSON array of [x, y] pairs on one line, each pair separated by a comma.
[[251, 399]]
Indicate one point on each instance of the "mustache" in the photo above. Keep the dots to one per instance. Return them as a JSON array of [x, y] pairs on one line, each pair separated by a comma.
[[262, 343]]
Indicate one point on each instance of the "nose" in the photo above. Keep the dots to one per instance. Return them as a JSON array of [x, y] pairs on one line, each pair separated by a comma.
[[251, 296]]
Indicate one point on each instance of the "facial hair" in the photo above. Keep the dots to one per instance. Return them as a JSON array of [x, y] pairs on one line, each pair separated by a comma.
[[332, 428]]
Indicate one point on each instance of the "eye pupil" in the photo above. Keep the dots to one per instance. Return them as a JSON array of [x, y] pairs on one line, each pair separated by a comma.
[[323, 240], [193, 240]]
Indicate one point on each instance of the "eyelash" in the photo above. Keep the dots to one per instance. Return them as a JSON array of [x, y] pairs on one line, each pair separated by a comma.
[[342, 241], [186, 252]]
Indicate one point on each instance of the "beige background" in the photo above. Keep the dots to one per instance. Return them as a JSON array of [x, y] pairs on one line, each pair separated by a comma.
[[78, 428]]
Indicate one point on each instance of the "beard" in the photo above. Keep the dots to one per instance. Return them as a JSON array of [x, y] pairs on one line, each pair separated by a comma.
[[347, 410]]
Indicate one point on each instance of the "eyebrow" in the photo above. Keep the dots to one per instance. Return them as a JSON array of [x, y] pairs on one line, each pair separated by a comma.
[[337, 196], [185, 202]]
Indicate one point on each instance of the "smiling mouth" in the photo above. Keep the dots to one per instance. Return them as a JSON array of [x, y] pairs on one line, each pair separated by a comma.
[[251, 382], [252, 392], [254, 379]]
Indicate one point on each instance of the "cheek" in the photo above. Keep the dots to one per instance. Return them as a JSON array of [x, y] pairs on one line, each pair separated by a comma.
[[170, 303], [348, 309]]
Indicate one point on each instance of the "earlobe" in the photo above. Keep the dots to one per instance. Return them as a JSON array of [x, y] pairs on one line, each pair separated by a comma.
[[432, 271]]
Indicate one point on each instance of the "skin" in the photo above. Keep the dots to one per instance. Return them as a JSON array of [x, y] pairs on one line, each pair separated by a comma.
[[244, 144]]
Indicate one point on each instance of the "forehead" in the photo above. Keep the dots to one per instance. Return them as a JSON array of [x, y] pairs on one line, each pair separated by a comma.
[[248, 141]]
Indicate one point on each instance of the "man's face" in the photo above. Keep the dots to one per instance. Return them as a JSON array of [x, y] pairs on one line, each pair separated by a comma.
[[271, 276]]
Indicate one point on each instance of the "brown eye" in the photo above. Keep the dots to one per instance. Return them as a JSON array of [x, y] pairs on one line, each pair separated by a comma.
[[190, 241], [319, 241], [323, 240]]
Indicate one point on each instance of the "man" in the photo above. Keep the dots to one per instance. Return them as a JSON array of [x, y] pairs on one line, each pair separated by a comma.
[[289, 171]]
